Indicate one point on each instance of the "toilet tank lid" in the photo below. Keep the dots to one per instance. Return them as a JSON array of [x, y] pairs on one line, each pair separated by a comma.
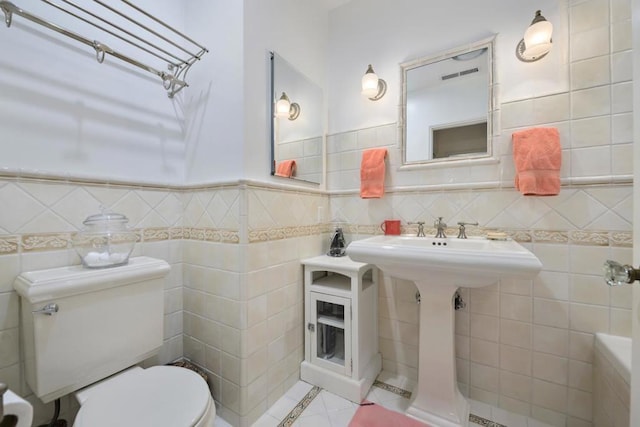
[[43, 285]]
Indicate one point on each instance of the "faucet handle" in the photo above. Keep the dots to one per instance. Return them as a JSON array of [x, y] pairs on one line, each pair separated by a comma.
[[461, 231], [462, 224], [420, 227]]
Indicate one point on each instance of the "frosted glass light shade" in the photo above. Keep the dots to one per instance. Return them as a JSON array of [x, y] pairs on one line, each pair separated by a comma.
[[537, 39], [373, 87], [283, 106], [370, 84]]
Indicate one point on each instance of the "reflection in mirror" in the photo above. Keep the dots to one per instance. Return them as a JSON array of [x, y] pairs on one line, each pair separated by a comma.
[[447, 105], [297, 124]]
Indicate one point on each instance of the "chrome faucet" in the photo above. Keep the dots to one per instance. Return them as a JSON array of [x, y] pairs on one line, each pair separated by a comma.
[[461, 231], [440, 227], [420, 228]]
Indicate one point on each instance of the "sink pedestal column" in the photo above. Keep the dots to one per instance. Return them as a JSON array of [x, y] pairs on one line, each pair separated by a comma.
[[436, 398]]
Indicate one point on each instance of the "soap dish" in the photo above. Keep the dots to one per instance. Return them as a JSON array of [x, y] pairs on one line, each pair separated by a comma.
[[497, 235]]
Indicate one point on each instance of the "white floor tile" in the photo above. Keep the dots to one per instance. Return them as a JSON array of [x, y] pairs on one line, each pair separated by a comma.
[[508, 418], [282, 407], [316, 407], [265, 420], [219, 422], [480, 409], [333, 402], [535, 423], [313, 421], [342, 418], [299, 390]]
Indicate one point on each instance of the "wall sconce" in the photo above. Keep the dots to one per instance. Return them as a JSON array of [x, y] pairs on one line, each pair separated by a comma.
[[537, 40], [373, 87], [285, 108]]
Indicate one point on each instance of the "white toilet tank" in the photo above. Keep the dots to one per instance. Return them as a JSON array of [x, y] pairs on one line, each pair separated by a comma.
[[106, 320]]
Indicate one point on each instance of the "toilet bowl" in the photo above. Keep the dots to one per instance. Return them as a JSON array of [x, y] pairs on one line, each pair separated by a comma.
[[17, 412], [160, 396]]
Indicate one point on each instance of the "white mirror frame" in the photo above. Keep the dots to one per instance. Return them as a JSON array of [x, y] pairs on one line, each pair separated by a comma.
[[471, 159]]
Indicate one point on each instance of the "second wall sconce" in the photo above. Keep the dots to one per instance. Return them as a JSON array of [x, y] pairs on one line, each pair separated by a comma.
[[285, 108], [373, 87], [537, 40]]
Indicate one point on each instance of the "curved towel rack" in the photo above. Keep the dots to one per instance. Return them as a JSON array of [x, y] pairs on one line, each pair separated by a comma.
[[178, 57]]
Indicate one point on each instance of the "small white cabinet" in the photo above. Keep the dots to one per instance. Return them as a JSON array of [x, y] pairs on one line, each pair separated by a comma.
[[341, 326]]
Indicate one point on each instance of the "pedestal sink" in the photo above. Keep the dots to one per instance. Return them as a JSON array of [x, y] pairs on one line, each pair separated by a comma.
[[438, 266]]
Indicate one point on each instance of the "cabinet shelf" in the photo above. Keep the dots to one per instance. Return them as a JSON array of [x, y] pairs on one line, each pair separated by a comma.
[[331, 321], [335, 284]]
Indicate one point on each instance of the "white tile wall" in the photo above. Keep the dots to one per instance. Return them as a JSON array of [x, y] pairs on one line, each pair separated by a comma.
[[526, 347]]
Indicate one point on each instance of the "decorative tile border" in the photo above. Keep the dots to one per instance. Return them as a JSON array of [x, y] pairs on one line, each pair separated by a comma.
[[155, 234], [301, 406], [45, 241], [9, 245], [548, 236], [211, 235], [484, 422], [589, 238], [33, 242], [393, 389], [265, 235], [624, 239]]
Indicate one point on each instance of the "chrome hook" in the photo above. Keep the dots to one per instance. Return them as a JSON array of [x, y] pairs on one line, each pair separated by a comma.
[[7, 16], [99, 52], [101, 49], [167, 81]]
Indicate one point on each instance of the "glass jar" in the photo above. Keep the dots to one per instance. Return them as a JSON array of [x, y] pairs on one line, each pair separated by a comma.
[[105, 240]]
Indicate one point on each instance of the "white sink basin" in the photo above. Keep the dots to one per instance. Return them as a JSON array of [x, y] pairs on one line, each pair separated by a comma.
[[471, 262], [438, 267]]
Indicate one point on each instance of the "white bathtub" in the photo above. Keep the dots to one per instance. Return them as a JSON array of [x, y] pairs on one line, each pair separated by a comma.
[[611, 380]]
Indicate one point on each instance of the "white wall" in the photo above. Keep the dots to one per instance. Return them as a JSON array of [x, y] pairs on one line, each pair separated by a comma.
[[385, 34], [214, 102], [62, 112]]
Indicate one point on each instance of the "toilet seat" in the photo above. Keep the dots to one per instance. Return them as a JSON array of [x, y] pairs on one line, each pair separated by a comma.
[[160, 396]]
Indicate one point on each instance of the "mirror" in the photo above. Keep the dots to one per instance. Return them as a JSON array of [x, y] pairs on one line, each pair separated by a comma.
[[296, 126], [447, 103]]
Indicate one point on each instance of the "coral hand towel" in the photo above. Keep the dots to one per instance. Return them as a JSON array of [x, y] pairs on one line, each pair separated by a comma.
[[286, 168], [372, 173], [537, 156]]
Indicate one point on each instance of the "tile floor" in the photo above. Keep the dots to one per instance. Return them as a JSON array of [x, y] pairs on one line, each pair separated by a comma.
[[329, 410]]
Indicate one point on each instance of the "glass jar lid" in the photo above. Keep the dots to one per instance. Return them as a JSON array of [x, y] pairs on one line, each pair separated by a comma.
[[106, 218]]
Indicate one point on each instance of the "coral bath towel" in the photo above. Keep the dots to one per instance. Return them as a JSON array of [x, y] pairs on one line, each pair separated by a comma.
[[537, 156], [372, 173], [286, 168]]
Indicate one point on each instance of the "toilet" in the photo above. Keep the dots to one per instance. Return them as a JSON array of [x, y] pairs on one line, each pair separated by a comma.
[[86, 330]]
